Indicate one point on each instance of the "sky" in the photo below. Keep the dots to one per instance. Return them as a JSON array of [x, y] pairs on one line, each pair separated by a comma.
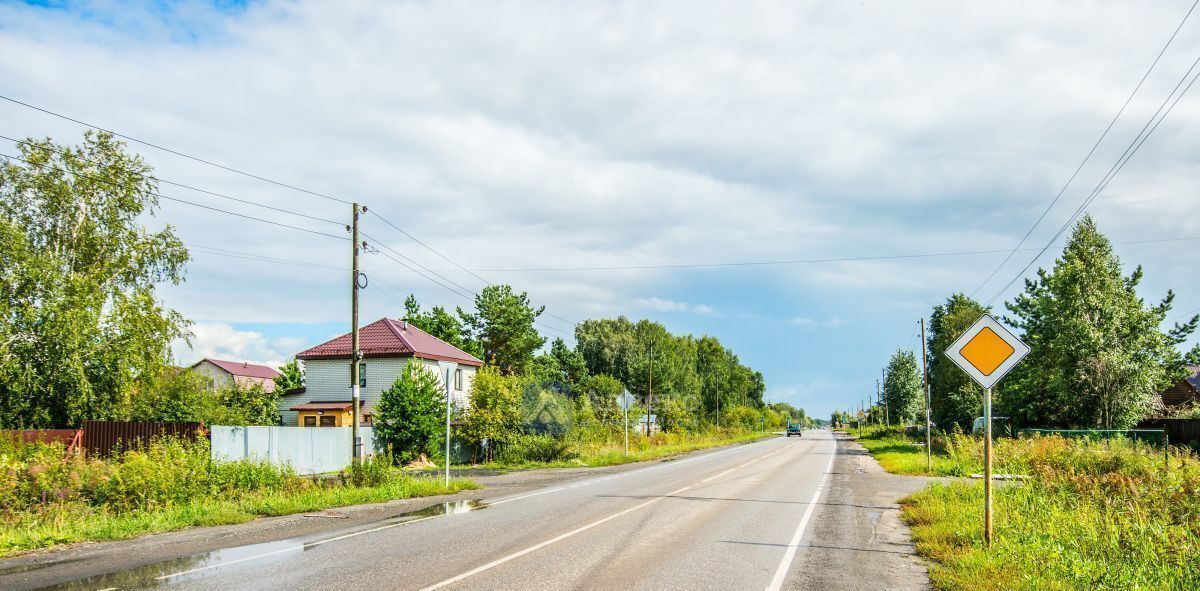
[[522, 139]]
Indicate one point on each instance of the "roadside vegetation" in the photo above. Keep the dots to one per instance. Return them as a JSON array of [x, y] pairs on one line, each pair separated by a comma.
[[50, 497], [1095, 514], [1086, 513]]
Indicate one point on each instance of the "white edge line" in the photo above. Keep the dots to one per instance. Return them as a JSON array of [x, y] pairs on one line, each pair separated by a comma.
[[500, 502], [541, 545], [297, 548], [786, 563]]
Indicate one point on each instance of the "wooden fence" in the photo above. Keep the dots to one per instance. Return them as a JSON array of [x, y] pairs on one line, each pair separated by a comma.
[[1181, 431], [105, 437]]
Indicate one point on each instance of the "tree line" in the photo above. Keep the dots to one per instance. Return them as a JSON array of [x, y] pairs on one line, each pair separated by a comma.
[[1100, 354], [84, 335]]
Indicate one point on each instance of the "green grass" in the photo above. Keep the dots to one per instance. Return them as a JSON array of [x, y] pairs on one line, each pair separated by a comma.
[[612, 453], [65, 523], [50, 497], [1093, 515]]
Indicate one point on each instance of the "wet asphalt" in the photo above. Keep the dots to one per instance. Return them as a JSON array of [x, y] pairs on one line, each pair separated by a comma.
[[756, 516]]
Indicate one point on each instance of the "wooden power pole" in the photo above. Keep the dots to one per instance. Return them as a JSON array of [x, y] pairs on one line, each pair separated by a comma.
[[355, 353]]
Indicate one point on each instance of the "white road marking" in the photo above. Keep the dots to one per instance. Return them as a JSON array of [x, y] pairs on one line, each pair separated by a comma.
[[547, 491], [715, 476], [790, 555], [553, 540], [389, 526], [632, 472], [296, 548], [559, 538]]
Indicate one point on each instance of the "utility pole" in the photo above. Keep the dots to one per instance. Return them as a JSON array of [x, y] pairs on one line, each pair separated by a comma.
[[928, 425], [650, 398], [887, 413], [717, 390], [355, 353]]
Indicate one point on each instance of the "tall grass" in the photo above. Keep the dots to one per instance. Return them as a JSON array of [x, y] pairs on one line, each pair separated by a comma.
[[1094, 515], [50, 497]]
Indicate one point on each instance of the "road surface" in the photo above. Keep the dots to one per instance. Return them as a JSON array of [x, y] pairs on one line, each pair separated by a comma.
[[730, 519]]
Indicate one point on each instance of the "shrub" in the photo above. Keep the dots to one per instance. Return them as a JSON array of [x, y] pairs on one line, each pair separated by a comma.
[[538, 448], [373, 471], [544, 412]]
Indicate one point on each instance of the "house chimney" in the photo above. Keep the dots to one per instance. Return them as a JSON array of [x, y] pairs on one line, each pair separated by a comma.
[[404, 326]]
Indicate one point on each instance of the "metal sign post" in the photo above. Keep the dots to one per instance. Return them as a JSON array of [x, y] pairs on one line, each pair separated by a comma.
[[448, 369], [987, 351], [625, 400]]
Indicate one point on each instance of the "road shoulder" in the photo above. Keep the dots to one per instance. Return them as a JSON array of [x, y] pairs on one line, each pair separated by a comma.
[[857, 540]]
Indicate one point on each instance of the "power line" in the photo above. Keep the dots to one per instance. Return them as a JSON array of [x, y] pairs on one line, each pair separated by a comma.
[[1122, 160], [456, 264], [1088, 157], [793, 261], [176, 152], [190, 188], [209, 207]]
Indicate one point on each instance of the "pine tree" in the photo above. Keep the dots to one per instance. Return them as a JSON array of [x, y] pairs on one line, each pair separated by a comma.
[[1098, 356]]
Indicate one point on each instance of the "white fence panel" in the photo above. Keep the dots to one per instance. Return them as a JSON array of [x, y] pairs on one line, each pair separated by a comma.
[[308, 450]]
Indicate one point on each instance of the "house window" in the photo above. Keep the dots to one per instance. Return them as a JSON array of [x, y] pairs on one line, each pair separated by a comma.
[[458, 379], [310, 421], [328, 421], [362, 374]]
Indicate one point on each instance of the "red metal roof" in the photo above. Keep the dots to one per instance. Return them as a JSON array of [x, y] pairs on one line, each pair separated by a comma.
[[243, 369], [391, 338], [347, 405]]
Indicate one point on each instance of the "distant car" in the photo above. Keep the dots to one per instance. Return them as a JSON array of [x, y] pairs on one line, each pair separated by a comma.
[[795, 429]]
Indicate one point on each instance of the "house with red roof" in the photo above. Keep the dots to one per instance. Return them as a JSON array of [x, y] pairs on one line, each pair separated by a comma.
[[387, 346], [227, 373]]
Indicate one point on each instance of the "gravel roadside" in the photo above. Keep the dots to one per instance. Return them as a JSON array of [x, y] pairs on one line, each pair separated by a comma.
[[857, 541]]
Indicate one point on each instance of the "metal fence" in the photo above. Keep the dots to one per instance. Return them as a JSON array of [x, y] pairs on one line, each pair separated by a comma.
[[308, 450], [1181, 431], [108, 437], [1155, 436], [64, 436]]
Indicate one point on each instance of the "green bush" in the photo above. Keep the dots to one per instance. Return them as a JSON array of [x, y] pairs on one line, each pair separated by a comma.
[[538, 448], [373, 471], [411, 413]]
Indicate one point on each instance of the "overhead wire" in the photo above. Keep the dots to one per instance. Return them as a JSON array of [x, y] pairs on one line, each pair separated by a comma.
[[1138, 141], [208, 207], [1092, 151], [176, 152], [243, 173]]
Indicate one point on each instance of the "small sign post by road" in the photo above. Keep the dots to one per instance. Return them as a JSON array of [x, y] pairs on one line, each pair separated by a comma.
[[987, 351], [625, 400]]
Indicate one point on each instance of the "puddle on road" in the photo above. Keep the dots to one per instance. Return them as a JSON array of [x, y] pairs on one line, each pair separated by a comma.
[[197, 566]]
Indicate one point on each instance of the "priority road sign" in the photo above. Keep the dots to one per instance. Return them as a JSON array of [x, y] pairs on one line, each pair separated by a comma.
[[987, 351]]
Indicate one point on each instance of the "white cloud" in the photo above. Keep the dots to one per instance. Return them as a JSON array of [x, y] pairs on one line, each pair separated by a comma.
[[222, 341], [664, 305], [811, 323]]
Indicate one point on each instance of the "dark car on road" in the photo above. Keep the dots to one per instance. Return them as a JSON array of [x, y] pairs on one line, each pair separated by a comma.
[[794, 429]]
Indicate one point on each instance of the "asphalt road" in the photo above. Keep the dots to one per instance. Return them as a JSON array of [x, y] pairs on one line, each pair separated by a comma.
[[730, 519]]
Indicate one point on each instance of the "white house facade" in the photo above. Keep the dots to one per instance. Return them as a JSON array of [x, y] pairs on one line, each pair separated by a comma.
[[387, 346]]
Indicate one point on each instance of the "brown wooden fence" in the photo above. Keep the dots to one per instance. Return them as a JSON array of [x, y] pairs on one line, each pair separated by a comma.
[[105, 437], [1181, 431]]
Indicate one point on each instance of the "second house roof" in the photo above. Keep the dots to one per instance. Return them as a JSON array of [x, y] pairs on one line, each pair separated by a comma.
[[391, 338]]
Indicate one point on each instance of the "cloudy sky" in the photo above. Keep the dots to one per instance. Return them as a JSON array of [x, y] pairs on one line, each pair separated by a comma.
[[525, 141]]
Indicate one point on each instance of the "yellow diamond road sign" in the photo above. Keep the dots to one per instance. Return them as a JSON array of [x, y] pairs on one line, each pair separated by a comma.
[[986, 351]]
